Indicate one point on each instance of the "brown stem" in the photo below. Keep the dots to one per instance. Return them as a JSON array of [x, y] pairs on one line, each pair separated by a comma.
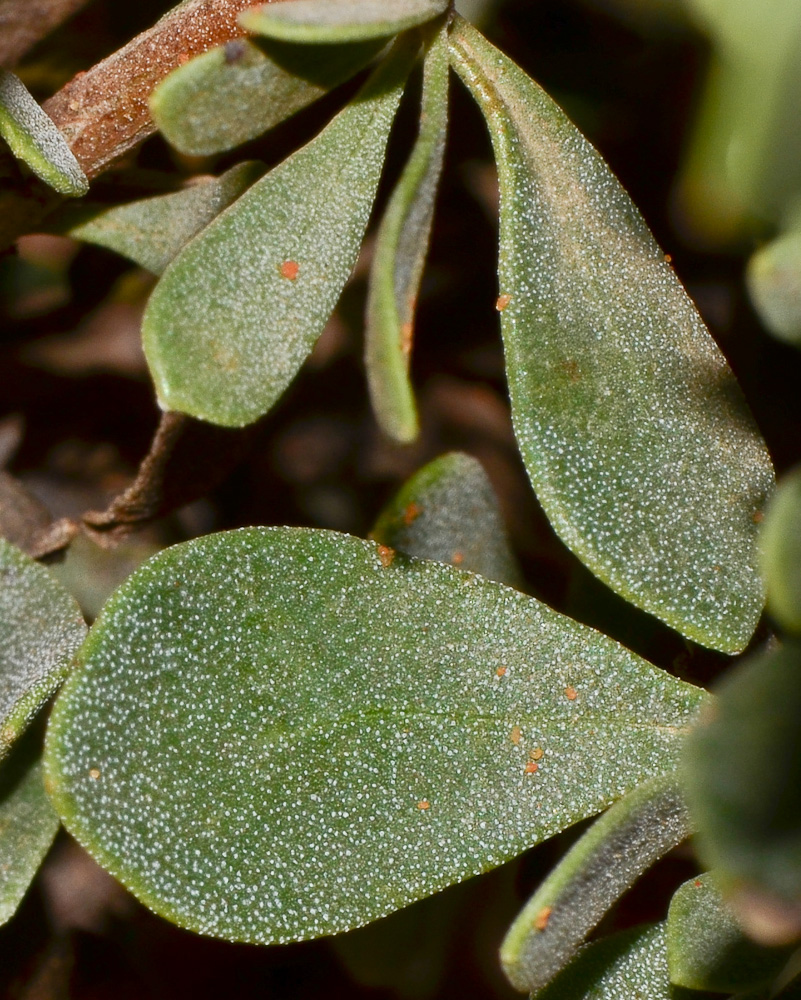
[[104, 112], [24, 22]]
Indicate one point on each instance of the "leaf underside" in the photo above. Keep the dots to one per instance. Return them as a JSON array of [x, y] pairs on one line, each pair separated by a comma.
[[236, 92], [41, 627], [448, 511], [34, 138], [240, 308], [401, 246], [152, 231], [616, 850], [276, 734], [326, 21], [634, 432], [780, 546]]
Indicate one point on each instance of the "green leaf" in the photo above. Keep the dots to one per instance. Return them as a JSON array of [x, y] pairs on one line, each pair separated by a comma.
[[28, 824], [279, 733], [326, 21], [237, 91], [609, 858], [34, 139], [743, 778], [240, 308], [629, 965], [152, 231], [774, 284], [400, 253], [41, 628], [448, 511], [706, 947], [632, 427], [781, 553]]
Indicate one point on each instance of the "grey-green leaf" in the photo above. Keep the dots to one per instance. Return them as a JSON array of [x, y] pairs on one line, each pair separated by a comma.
[[400, 253], [28, 824], [279, 733], [152, 231], [774, 284], [706, 948], [632, 964], [240, 308], [41, 628], [634, 432], [448, 511], [326, 21], [237, 91], [609, 858], [743, 783], [781, 553], [34, 138]]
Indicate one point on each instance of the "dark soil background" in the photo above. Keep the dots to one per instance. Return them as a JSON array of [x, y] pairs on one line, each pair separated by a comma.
[[77, 414]]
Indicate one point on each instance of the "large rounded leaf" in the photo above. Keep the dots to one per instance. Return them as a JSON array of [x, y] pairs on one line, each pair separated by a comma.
[[281, 733], [240, 308], [632, 427], [41, 627]]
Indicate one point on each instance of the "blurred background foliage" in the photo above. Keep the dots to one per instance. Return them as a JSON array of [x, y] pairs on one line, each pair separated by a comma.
[[695, 103]]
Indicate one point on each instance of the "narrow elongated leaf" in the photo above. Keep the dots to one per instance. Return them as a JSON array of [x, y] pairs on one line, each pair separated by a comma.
[[41, 627], [278, 733], [743, 771], [35, 140], [626, 966], [400, 254], [632, 427], [240, 308], [28, 824], [781, 553], [609, 858], [236, 92], [327, 21], [706, 947], [449, 512], [151, 231]]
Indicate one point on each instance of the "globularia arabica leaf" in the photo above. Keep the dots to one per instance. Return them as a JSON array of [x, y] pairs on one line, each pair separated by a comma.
[[448, 511], [34, 138], [41, 628], [706, 947], [780, 545], [28, 824], [279, 733], [621, 845], [326, 21], [151, 231], [749, 815], [237, 91], [400, 253], [774, 284], [632, 427], [240, 308]]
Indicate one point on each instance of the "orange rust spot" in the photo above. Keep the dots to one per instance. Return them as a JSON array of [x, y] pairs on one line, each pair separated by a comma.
[[668, 259], [515, 735], [531, 767], [537, 754], [570, 693], [698, 883], [758, 517], [501, 672], [502, 302], [411, 514], [94, 773], [423, 804], [457, 558], [407, 336], [386, 555], [290, 269], [184, 58], [542, 918]]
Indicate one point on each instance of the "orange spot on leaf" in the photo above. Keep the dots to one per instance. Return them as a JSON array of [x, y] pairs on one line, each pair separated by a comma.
[[423, 804], [411, 514], [290, 269], [501, 672], [515, 735], [570, 693], [386, 555], [457, 558], [542, 918], [758, 517], [537, 754], [502, 302], [94, 773], [531, 767]]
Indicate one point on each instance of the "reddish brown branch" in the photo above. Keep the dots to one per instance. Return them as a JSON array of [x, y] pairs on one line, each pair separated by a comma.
[[24, 22]]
